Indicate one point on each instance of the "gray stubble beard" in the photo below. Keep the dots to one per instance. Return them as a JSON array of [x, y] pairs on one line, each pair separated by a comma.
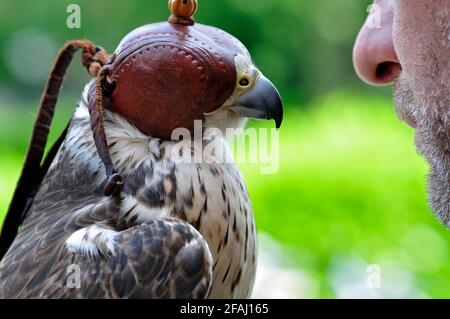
[[432, 115]]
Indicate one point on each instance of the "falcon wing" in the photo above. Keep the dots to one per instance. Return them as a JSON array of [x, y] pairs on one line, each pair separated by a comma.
[[165, 258]]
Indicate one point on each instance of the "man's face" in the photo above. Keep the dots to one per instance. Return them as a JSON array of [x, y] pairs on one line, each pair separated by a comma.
[[411, 47]]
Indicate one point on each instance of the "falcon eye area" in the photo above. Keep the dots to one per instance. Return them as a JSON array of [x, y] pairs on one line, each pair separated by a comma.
[[244, 82]]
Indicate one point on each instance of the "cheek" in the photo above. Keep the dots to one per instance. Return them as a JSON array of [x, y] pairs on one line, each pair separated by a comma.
[[418, 34], [406, 36]]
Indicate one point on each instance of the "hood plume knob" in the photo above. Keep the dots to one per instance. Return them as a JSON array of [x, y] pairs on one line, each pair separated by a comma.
[[182, 11]]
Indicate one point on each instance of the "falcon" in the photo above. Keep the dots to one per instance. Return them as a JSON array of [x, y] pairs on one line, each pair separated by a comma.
[[165, 229]]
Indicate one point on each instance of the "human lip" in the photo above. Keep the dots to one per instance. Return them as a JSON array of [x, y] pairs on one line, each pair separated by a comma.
[[406, 115], [410, 121]]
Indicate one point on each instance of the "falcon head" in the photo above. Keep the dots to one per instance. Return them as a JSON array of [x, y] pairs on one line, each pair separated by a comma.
[[167, 75], [254, 97]]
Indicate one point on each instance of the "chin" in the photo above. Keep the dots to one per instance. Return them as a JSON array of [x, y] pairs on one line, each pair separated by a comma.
[[432, 139], [433, 145], [439, 190]]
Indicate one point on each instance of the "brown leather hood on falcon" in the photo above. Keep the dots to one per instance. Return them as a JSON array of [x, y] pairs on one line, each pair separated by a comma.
[[168, 75]]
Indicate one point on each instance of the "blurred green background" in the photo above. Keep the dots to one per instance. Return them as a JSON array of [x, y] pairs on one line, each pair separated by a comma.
[[351, 189]]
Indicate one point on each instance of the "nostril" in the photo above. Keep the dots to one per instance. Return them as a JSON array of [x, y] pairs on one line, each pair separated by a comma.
[[387, 72], [384, 69]]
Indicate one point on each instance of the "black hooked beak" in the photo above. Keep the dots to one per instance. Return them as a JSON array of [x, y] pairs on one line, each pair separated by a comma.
[[262, 102]]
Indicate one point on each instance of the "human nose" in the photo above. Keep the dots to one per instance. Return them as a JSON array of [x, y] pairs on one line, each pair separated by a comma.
[[374, 55]]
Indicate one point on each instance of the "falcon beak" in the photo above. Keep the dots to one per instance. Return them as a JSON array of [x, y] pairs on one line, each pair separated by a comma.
[[262, 102]]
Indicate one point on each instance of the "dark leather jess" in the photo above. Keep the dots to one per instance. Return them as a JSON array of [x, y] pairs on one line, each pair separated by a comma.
[[165, 74]]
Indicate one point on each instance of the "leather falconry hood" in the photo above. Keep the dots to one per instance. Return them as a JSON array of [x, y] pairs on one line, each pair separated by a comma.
[[168, 74], [162, 76]]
